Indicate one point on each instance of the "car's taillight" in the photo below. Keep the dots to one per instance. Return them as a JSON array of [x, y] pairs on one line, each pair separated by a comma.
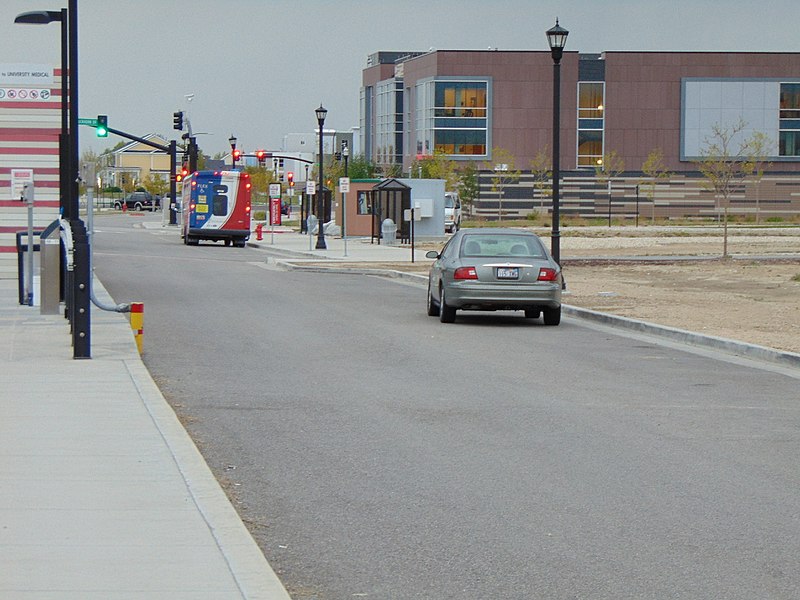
[[465, 273], [247, 208], [546, 274]]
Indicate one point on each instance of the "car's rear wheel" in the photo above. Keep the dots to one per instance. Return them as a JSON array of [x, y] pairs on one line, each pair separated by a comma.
[[552, 316], [117, 205], [532, 313], [137, 207], [447, 314], [433, 308]]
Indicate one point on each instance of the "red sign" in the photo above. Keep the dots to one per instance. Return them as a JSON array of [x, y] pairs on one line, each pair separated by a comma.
[[274, 211]]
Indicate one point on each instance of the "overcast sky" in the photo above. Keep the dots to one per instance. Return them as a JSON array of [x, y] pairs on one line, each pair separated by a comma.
[[259, 68]]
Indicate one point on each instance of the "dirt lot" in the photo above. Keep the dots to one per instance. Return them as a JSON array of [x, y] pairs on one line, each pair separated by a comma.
[[748, 297]]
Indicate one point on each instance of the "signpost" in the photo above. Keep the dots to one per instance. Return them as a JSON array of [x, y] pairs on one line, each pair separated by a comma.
[[344, 187]]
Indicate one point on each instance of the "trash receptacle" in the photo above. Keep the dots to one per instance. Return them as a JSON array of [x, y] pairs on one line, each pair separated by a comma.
[[311, 224], [389, 232]]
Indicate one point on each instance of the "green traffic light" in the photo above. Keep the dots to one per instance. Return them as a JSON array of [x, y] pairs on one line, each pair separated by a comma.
[[101, 130]]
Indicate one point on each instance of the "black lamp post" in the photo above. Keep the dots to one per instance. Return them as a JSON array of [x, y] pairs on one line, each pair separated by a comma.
[[43, 17], [321, 114], [76, 290], [232, 142], [557, 38]]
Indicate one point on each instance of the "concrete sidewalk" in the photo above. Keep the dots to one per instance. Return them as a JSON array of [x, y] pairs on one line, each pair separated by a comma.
[[103, 495]]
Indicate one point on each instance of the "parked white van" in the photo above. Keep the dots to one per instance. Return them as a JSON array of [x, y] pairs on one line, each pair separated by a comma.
[[452, 212]]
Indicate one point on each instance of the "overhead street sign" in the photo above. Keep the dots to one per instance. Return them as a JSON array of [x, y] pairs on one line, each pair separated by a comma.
[[91, 122]]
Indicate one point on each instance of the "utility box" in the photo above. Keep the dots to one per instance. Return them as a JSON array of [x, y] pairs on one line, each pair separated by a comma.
[[50, 269]]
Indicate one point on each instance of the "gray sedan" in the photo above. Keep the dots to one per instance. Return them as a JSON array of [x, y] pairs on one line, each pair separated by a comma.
[[494, 269]]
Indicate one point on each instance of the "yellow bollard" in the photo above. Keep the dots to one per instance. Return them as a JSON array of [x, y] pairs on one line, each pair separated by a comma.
[[137, 323]]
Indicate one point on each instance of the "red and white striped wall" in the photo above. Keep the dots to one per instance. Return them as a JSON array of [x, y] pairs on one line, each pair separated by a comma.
[[30, 123]]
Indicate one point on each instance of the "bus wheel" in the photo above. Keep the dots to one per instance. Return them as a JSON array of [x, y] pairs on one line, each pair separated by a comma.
[[227, 242]]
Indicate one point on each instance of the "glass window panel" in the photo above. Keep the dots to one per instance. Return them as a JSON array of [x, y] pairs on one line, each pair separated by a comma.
[[590, 143], [789, 143], [590, 100], [590, 123], [790, 95]]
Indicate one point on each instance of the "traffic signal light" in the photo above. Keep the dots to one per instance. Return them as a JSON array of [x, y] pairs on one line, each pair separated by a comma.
[[182, 175], [261, 155], [290, 179], [177, 120], [237, 154], [102, 126]]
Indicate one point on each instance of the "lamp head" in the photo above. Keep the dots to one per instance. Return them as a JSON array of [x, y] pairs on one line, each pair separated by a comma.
[[322, 112], [38, 17], [557, 39]]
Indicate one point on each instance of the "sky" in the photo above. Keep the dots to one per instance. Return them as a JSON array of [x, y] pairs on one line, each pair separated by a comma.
[[259, 68]]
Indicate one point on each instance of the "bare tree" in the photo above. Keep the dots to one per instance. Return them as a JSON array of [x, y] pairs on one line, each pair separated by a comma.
[[542, 171], [757, 163], [656, 172], [505, 173], [722, 163], [609, 167]]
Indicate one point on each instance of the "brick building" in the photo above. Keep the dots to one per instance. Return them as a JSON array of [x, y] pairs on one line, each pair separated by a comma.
[[466, 104]]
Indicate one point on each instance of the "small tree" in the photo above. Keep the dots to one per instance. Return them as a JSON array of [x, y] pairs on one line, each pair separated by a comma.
[[610, 166], [468, 186], [757, 163], [504, 173], [656, 172], [437, 166], [156, 184], [722, 164], [542, 171], [260, 180]]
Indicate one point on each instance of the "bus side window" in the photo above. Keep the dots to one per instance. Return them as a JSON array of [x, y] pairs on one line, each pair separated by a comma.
[[219, 206]]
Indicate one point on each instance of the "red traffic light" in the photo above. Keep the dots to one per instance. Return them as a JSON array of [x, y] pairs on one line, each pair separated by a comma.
[[261, 155], [237, 154], [290, 178], [182, 175]]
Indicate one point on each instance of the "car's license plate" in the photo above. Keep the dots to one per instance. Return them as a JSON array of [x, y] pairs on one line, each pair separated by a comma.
[[508, 272]]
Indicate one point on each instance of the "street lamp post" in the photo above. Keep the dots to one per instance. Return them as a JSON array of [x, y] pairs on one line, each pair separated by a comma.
[[557, 39], [77, 289], [321, 114], [345, 155], [232, 142]]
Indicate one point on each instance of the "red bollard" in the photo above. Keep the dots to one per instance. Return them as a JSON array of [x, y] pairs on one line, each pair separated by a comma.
[[259, 229]]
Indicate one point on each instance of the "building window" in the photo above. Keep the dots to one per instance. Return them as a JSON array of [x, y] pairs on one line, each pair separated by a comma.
[[389, 122], [789, 128], [452, 118], [591, 123]]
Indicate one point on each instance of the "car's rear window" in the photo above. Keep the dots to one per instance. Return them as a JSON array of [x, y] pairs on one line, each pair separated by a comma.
[[522, 246]]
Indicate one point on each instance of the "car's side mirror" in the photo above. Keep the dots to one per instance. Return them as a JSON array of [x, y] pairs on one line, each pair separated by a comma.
[[431, 254]]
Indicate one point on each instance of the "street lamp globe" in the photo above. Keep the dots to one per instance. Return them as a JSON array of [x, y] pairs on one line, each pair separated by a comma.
[[557, 39]]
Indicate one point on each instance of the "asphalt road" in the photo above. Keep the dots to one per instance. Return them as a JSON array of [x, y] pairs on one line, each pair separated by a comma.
[[378, 453]]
